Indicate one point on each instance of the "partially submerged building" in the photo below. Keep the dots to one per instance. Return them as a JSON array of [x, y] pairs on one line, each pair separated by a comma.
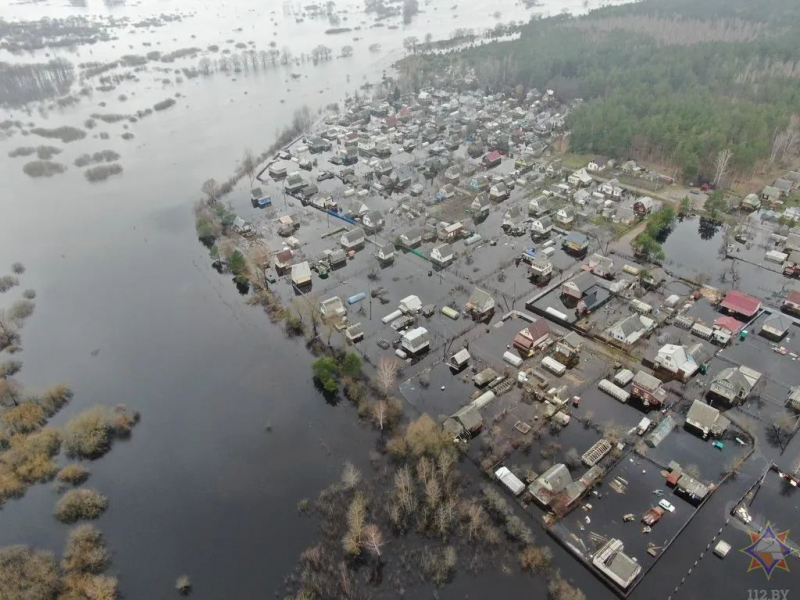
[[480, 305], [706, 419], [734, 384], [615, 564]]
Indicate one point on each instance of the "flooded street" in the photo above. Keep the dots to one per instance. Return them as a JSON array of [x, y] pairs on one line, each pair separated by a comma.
[[129, 311]]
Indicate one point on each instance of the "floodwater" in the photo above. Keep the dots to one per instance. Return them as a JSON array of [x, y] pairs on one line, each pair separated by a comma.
[[129, 311]]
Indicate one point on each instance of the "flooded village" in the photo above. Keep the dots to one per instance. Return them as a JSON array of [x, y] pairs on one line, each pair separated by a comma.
[[382, 333], [605, 389]]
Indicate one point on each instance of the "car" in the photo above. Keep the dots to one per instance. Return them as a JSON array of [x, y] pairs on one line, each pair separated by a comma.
[[323, 175], [666, 505]]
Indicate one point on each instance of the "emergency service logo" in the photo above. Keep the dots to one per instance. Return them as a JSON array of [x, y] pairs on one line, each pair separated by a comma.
[[768, 551]]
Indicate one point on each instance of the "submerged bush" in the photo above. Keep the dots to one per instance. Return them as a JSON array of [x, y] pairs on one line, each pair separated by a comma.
[[85, 551], [65, 133], [27, 574], [7, 282], [164, 104], [80, 504], [73, 474], [43, 168], [90, 434], [84, 160], [102, 172]]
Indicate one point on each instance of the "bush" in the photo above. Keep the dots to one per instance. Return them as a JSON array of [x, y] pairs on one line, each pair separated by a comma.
[[102, 172], [25, 417], [18, 268], [164, 104], [425, 437], [43, 168], [183, 585], [7, 282], [351, 364], [27, 574], [73, 474], [90, 434], [80, 504], [54, 398], [326, 373], [85, 551], [440, 566], [559, 589], [21, 309], [536, 559], [65, 133], [517, 530]]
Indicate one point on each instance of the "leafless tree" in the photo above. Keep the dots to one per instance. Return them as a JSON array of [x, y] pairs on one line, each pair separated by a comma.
[[372, 539], [379, 411], [211, 189], [721, 164], [249, 165], [387, 374], [9, 335], [351, 476]]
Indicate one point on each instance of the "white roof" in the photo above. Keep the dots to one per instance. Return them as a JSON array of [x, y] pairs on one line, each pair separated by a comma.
[[413, 334], [511, 481], [411, 303]]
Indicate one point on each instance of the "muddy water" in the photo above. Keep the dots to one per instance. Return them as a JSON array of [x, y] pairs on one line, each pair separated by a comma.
[[128, 310]]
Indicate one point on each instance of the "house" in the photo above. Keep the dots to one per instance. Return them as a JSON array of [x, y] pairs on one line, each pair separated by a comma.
[[449, 232], [568, 348], [353, 239], [581, 197], [411, 238], [644, 206], [332, 308], [550, 483], [771, 194], [532, 337], [301, 274], [283, 260], [452, 174], [498, 192], [792, 302], [751, 202], [677, 361], [294, 182], [354, 333], [576, 287], [611, 189], [465, 423], [706, 419], [513, 217], [446, 191], [599, 163], [654, 278], [373, 221], [734, 384], [415, 340], [737, 303], [615, 564], [775, 326], [492, 159], [565, 215], [540, 269], [794, 397], [336, 258], [791, 268], [480, 305], [356, 208], [460, 359], [630, 329], [480, 206], [442, 255], [579, 179], [385, 253], [784, 186], [541, 227], [554, 169], [728, 324], [648, 389], [695, 490], [540, 205], [602, 266], [792, 243], [575, 242]]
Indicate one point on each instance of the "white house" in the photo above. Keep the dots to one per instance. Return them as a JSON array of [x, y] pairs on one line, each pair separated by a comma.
[[565, 215], [579, 179], [630, 329], [352, 239], [676, 360], [540, 205], [611, 189], [442, 255], [540, 268], [481, 205], [602, 266], [542, 226], [373, 220]]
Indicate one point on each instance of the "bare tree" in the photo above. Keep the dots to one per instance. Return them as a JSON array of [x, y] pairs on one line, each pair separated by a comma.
[[721, 164], [211, 189], [9, 334], [249, 165], [351, 476], [387, 374], [372, 539], [379, 410]]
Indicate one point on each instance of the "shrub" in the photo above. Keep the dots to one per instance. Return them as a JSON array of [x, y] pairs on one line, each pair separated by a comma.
[[559, 589], [10, 368], [517, 530], [164, 104], [183, 585], [326, 373], [86, 585], [54, 398], [73, 474], [27, 574], [85, 551], [440, 566], [90, 434], [25, 417], [7, 282], [43, 168], [425, 437], [351, 364], [102, 172], [80, 504], [65, 133], [18, 268], [22, 309], [536, 559]]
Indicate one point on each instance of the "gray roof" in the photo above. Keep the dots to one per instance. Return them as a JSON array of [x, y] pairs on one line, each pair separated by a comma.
[[354, 235], [706, 417], [556, 478], [583, 281], [481, 300], [777, 322], [629, 326], [646, 381], [736, 378], [545, 221]]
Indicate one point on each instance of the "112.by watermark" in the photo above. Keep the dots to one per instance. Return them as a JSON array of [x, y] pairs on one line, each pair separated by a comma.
[[757, 594]]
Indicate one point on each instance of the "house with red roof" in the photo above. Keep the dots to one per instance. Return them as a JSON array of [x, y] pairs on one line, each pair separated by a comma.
[[729, 324], [492, 159], [741, 304], [792, 302], [533, 336]]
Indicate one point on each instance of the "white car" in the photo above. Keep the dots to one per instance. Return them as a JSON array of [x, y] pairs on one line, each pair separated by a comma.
[[666, 505]]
